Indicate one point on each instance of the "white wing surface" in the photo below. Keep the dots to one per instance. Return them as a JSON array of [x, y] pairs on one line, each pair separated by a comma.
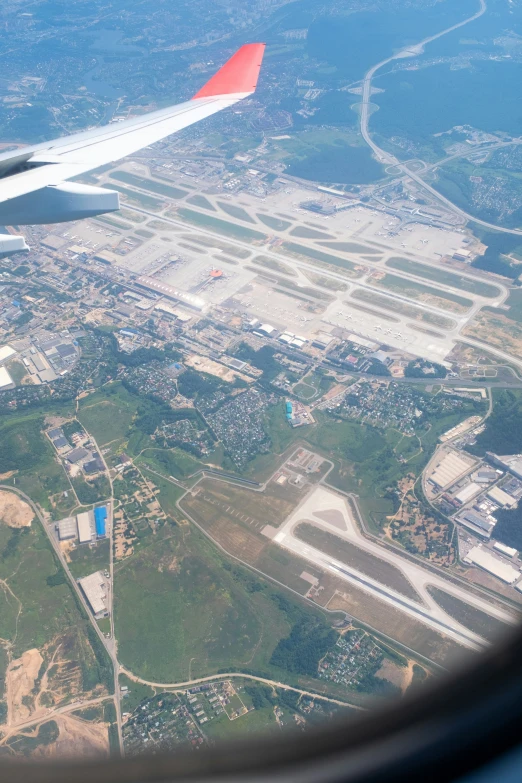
[[52, 163]]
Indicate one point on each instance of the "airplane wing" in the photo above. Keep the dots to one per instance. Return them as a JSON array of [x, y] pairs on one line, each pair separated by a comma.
[[50, 164]]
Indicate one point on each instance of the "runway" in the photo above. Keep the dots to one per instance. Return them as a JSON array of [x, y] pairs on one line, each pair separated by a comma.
[[426, 609]]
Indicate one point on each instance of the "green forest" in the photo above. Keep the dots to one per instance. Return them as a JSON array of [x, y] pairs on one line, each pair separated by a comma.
[[503, 433]]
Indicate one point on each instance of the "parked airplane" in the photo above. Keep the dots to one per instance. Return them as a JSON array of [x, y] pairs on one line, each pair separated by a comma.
[[34, 185]]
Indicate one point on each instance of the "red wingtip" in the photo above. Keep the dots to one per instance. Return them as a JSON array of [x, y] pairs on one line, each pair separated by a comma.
[[239, 74]]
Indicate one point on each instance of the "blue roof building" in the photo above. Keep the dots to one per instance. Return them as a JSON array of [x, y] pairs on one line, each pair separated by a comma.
[[100, 518]]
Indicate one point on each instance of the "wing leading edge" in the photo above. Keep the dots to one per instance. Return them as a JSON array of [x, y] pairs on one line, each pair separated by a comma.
[[52, 163]]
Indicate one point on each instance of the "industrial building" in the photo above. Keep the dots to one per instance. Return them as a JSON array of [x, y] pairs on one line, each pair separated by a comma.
[[506, 550], [477, 523], [468, 492], [76, 455], [6, 353], [84, 527], [501, 498], [6, 382], [100, 519], [449, 469], [512, 463], [196, 302], [67, 528], [95, 589], [488, 562], [95, 465]]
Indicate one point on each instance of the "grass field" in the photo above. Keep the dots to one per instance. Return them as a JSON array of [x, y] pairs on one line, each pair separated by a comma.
[[276, 224], [17, 371], [170, 462], [394, 305], [318, 255], [276, 266], [107, 414], [236, 212], [355, 557], [222, 226], [443, 299], [305, 391], [145, 201], [351, 247], [514, 302], [148, 184], [478, 622], [201, 202], [244, 540], [177, 606], [325, 282], [309, 233], [404, 629], [28, 452], [39, 610], [439, 275], [85, 560], [136, 693]]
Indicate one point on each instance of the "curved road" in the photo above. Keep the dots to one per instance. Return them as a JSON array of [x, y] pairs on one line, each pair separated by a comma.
[[231, 675], [389, 159]]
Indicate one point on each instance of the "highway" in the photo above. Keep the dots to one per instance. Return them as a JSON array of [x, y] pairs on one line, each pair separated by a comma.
[[389, 159], [231, 675]]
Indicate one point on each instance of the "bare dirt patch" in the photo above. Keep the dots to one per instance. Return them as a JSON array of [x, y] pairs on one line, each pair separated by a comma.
[[77, 738], [496, 330], [401, 676], [67, 547], [14, 511], [20, 679], [204, 364]]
